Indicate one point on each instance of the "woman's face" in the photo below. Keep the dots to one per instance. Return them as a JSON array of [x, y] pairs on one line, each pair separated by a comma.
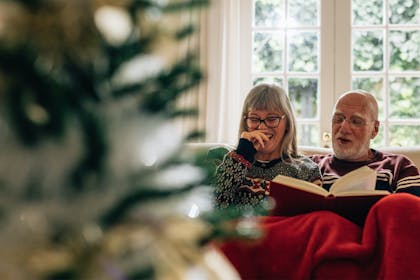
[[273, 125]]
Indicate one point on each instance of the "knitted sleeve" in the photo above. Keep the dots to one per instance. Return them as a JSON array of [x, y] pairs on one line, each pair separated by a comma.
[[309, 170], [229, 176]]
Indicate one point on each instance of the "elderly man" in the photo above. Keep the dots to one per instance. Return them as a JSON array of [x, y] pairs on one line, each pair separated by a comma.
[[354, 124]]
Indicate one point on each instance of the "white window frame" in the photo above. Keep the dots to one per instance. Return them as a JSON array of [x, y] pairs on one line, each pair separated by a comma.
[[327, 70], [335, 60]]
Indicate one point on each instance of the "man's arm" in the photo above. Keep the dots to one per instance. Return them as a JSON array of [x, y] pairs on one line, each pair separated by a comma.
[[407, 176]]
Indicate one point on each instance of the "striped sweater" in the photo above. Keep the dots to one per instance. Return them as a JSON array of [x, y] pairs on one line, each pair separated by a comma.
[[395, 173]]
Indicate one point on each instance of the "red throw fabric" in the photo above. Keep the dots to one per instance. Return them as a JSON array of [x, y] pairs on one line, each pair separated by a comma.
[[323, 245]]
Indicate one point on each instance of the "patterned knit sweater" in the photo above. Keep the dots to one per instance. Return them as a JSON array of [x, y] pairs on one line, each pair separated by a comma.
[[241, 181]]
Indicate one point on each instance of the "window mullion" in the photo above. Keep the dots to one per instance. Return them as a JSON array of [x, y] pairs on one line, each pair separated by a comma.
[[343, 61], [385, 121], [327, 72]]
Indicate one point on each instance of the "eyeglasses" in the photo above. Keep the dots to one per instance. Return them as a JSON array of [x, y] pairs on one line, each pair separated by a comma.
[[271, 122], [353, 121]]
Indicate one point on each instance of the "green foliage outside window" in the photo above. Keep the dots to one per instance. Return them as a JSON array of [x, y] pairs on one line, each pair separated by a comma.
[[395, 50]]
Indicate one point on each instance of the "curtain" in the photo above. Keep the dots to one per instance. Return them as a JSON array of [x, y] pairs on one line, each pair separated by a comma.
[[197, 43], [223, 99], [218, 98]]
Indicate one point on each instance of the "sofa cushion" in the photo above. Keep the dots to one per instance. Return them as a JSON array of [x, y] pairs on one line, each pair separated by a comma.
[[217, 150], [412, 153]]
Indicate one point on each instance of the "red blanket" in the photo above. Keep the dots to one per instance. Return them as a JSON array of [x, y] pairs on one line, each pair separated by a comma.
[[323, 245]]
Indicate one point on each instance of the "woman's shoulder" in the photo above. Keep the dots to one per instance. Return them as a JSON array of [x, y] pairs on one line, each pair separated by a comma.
[[305, 160], [308, 169]]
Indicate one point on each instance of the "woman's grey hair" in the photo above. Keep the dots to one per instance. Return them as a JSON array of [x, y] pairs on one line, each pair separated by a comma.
[[273, 98]]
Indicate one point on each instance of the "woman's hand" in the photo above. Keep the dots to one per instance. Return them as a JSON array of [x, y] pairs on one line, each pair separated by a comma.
[[256, 137]]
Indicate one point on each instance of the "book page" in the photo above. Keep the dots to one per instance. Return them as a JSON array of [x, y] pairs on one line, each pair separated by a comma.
[[362, 193], [300, 184], [362, 179]]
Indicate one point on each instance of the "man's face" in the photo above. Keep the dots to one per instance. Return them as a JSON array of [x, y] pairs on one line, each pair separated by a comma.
[[352, 128]]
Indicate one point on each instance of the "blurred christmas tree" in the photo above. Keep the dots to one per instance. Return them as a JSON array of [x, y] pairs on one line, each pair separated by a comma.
[[94, 183]]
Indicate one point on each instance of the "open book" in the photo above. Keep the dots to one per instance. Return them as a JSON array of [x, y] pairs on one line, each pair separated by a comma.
[[351, 196]]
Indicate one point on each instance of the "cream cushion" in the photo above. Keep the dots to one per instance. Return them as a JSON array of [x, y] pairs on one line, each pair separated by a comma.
[[412, 153]]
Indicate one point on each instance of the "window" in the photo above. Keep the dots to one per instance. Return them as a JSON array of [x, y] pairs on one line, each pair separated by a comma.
[[319, 49], [386, 61]]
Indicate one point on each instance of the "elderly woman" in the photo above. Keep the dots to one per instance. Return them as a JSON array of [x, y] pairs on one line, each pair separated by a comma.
[[267, 147]]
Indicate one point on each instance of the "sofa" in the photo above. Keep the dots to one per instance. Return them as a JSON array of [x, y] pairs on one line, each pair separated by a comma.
[[323, 245], [215, 149]]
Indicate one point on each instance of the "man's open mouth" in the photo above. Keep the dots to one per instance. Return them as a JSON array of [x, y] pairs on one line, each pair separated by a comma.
[[343, 140]]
